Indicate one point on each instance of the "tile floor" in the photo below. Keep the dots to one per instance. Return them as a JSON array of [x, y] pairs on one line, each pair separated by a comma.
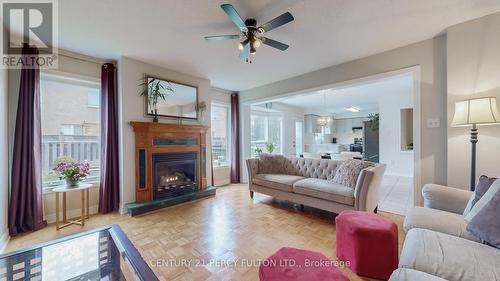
[[396, 193]]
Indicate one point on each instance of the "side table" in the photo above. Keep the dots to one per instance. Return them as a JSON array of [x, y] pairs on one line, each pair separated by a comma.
[[84, 193]]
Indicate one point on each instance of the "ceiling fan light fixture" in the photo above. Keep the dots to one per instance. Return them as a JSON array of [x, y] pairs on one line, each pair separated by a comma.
[[242, 44], [253, 50], [257, 43]]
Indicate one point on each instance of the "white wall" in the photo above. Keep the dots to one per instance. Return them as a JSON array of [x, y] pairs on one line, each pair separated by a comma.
[[399, 163], [473, 58], [430, 55], [130, 73], [4, 164]]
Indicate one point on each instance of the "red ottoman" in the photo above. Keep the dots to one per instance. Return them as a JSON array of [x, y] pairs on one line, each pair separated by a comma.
[[368, 242], [292, 264]]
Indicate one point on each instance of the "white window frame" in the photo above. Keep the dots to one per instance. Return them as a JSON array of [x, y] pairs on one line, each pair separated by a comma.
[[69, 78], [267, 115], [227, 107]]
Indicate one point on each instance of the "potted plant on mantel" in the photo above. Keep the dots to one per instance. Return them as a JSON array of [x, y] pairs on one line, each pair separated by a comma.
[[154, 91]]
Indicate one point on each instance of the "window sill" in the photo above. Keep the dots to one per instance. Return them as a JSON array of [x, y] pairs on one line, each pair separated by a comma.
[[48, 189]]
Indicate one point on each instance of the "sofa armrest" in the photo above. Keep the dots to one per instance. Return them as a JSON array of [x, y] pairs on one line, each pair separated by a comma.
[[445, 198], [253, 169], [366, 192]]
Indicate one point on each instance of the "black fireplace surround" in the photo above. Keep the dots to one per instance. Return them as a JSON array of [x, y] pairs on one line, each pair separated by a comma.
[[174, 174]]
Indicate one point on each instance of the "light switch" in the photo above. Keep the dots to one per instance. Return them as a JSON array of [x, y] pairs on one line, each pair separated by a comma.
[[433, 123]]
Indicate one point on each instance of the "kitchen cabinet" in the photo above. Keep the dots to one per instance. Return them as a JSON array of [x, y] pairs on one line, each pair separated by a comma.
[[311, 124]]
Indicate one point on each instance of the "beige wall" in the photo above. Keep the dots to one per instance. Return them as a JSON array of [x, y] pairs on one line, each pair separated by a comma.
[[130, 73], [4, 166], [430, 55], [69, 64], [473, 67]]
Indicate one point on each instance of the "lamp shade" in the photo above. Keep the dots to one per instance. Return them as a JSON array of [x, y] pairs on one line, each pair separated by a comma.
[[480, 111]]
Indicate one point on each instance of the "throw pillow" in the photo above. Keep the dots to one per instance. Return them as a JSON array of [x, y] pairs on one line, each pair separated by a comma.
[[486, 224], [485, 199], [483, 184], [271, 163], [348, 172]]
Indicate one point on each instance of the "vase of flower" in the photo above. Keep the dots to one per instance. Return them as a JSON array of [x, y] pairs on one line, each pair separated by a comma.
[[72, 172]]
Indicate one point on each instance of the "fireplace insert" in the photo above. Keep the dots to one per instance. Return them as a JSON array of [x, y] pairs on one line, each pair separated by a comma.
[[174, 174]]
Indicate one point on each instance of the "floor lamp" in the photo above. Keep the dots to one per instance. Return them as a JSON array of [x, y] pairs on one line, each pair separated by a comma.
[[475, 112]]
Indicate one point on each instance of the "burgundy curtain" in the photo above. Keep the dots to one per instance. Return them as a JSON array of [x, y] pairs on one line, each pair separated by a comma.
[[26, 205], [109, 196], [235, 138]]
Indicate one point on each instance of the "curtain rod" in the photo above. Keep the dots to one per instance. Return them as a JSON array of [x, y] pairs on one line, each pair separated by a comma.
[[79, 57]]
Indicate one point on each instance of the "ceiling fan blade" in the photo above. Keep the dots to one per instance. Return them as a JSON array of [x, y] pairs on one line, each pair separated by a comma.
[[274, 43], [277, 22], [245, 52], [234, 16], [222, 37]]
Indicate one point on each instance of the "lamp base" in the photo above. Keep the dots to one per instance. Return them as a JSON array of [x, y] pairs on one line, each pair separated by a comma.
[[473, 141]]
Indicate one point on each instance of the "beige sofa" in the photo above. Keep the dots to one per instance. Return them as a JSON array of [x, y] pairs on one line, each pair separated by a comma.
[[438, 245], [308, 182]]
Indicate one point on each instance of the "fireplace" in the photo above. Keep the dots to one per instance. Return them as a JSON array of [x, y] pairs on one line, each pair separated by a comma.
[[170, 160], [174, 174]]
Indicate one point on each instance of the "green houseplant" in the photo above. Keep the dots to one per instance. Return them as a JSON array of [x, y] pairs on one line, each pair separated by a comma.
[[373, 121], [155, 91], [270, 147]]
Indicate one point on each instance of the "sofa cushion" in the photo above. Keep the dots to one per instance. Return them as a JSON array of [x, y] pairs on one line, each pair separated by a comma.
[[325, 190], [277, 181], [483, 184], [405, 274], [348, 172], [437, 220], [486, 224], [449, 257], [483, 201], [271, 164]]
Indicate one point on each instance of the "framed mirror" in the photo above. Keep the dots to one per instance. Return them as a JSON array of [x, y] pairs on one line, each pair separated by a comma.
[[180, 100]]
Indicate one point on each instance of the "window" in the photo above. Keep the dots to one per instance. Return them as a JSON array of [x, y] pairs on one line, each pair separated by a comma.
[[93, 98], [265, 130], [220, 134], [70, 126], [71, 129]]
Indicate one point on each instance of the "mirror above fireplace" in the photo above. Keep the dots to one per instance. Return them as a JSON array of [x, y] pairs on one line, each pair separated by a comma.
[[181, 102]]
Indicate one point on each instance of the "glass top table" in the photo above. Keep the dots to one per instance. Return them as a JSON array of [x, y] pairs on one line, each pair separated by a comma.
[[101, 254]]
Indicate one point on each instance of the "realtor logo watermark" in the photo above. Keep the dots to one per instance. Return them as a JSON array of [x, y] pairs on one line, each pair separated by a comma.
[[33, 23]]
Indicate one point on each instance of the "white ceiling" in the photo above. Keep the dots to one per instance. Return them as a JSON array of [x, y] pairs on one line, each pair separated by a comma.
[[365, 96], [169, 33]]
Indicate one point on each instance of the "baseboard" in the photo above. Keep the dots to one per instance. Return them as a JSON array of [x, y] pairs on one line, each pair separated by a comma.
[[4, 239], [123, 209], [74, 213]]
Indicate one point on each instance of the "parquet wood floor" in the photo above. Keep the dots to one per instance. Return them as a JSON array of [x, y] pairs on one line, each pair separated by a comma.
[[226, 227]]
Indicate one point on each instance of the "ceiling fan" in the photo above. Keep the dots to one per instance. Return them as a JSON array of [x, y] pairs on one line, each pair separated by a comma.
[[252, 33]]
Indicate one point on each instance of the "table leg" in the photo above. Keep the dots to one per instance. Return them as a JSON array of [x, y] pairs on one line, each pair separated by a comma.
[[64, 207], [88, 204], [83, 207], [57, 210]]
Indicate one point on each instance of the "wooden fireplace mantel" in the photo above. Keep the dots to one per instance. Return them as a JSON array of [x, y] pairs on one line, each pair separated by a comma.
[[151, 138]]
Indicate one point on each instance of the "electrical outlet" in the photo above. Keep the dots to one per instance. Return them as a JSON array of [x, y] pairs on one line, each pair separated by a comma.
[[433, 123]]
